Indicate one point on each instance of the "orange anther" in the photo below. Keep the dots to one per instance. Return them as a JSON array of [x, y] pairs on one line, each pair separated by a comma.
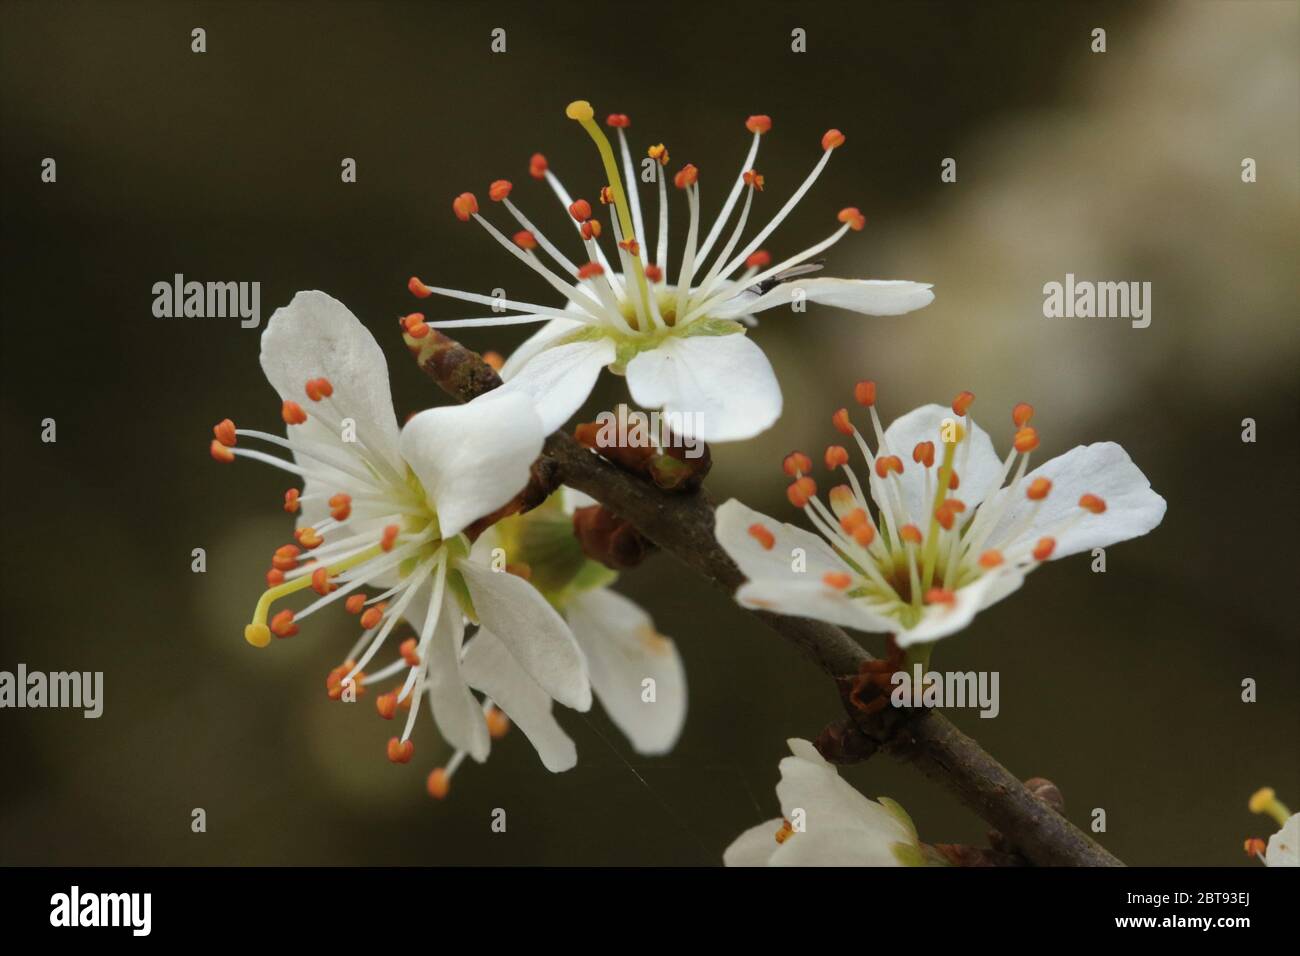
[[762, 536], [1038, 489], [334, 680], [864, 534], [832, 138], [659, 153], [400, 751], [1043, 550], [500, 189], [801, 491], [853, 217], [758, 123], [221, 452], [591, 269], [759, 260], [606, 195], [947, 512], [320, 581], [525, 239], [465, 206], [413, 325], [910, 533], [591, 229], [224, 430], [1092, 503], [618, 120], [836, 455], [580, 210], [282, 624], [853, 520], [292, 413], [631, 247], [537, 166], [990, 558], [386, 704], [1026, 440], [953, 481], [796, 463], [355, 603], [688, 175], [1021, 414], [754, 178], [1255, 847], [653, 273], [308, 538], [839, 580], [940, 596], [498, 723], [274, 576], [319, 388], [495, 360], [962, 403], [923, 453], [373, 615], [865, 393], [841, 421], [438, 784], [408, 652], [418, 288], [340, 506], [887, 463], [390, 535]]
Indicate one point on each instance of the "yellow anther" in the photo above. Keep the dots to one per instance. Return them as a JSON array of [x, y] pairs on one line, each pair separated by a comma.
[[579, 110], [259, 635], [1264, 800]]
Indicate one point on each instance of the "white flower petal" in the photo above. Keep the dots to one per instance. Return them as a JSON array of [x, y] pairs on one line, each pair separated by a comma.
[[315, 336], [1284, 845], [976, 462], [623, 649], [722, 385], [829, 803], [458, 715], [832, 847], [531, 630], [472, 459], [548, 334], [755, 846], [774, 584], [941, 620], [1103, 469], [490, 668], [867, 296], [558, 379]]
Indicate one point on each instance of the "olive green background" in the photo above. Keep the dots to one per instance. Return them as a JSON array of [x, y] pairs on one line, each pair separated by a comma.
[[1123, 687]]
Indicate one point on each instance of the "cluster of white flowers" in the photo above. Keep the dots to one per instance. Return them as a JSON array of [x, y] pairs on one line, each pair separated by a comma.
[[388, 517]]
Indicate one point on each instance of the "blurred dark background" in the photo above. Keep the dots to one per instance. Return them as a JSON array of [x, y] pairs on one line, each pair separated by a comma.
[[1123, 688]]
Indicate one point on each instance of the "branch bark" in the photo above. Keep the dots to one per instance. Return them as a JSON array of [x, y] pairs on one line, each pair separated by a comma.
[[682, 525]]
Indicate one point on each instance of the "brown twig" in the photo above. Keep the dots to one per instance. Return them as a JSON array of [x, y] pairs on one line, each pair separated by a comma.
[[682, 525]]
